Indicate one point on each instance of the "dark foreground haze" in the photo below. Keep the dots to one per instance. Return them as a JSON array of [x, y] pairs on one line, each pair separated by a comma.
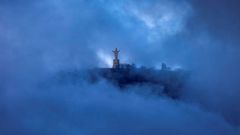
[[38, 39]]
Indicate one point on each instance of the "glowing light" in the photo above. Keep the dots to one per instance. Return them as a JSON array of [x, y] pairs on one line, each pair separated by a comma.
[[105, 59]]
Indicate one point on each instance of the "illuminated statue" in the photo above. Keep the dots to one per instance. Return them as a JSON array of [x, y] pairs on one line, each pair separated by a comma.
[[116, 60]]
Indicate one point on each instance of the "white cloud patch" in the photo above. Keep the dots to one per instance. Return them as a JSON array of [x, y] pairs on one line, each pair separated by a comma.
[[105, 59], [160, 19]]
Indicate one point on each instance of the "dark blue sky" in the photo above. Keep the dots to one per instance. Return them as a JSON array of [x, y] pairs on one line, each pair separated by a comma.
[[221, 17], [138, 28]]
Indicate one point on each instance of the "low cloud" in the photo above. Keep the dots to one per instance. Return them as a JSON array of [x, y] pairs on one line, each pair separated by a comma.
[[103, 109]]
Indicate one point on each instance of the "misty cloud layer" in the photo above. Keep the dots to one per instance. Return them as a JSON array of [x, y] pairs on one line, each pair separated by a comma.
[[101, 109], [40, 38]]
